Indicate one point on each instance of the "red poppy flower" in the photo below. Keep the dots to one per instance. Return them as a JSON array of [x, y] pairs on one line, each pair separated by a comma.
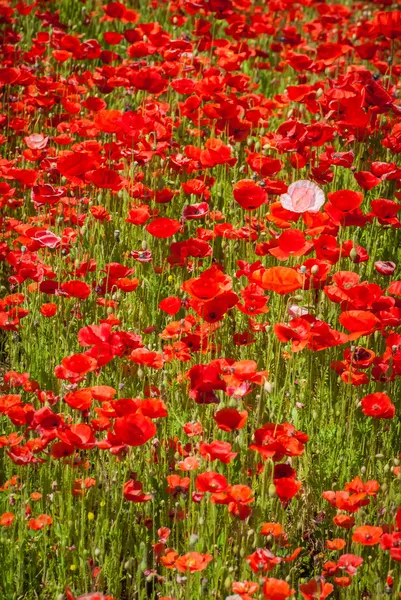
[[134, 429], [230, 419], [48, 309], [350, 562], [345, 200], [262, 560], [385, 267], [336, 544], [248, 194], [316, 589], [109, 121], [211, 482], [79, 363], [276, 589], [192, 562], [195, 211], [106, 179], [378, 406], [367, 535], [142, 356], [162, 227], [7, 519], [40, 522], [290, 243], [76, 289], [80, 400], [344, 521], [170, 305], [388, 24], [217, 450], [282, 280], [133, 492], [177, 485], [359, 322], [74, 165]]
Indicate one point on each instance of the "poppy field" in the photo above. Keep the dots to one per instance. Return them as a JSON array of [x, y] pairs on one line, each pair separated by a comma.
[[200, 300]]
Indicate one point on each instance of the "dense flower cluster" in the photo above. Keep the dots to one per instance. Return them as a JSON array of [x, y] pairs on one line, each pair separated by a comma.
[[200, 301]]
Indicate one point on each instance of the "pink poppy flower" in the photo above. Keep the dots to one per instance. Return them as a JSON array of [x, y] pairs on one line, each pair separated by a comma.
[[303, 196]]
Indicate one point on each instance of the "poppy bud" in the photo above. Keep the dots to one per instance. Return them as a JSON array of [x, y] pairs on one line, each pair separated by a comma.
[[353, 254], [363, 470], [128, 564], [314, 270], [272, 490], [268, 387], [396, 461], [227, 583]]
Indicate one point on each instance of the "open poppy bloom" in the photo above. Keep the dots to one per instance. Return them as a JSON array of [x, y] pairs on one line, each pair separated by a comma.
[[276, 589], [367, 535], [192, 562], [303, 196], [378, 406], [40, 522], [7, 519], [249, 195]]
